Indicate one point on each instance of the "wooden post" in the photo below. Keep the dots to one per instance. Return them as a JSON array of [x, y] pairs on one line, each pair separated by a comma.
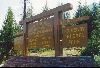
[[57, 31], [25, 39]]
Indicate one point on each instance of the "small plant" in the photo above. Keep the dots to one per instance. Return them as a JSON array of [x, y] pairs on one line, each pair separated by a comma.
[[97, 59]]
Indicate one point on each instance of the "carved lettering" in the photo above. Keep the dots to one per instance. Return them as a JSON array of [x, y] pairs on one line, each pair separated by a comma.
[[75, 35], [41, 33]]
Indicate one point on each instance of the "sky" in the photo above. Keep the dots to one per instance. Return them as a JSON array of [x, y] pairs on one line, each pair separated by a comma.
[[17, 7]]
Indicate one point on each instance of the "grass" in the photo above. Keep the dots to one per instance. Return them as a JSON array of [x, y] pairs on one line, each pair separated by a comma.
[[2, 64], [51, 53]]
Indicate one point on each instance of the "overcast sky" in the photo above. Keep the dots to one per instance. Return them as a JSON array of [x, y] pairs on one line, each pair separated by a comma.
[[17, 6]]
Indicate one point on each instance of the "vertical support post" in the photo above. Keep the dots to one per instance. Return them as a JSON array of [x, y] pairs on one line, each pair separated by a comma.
[[25, 39], [25, 30], [57, 31]]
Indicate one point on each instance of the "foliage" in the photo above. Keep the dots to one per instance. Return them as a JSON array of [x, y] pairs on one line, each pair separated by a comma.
[[67, 15], [35, 50], [97, 59], [7, 33], [83, 10], [17, 28], [10, 28], [93, 47]]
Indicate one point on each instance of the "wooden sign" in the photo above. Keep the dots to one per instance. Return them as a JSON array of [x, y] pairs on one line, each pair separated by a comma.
[[40, 34], [18, 43], [48, 30], [75, 36]]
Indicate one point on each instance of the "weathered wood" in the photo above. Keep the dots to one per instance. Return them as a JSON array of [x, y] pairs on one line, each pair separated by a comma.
[[18, 43], [25, 39], [57, 27], [52, 32], [76, 20], [42, 15], [19, 34], [65, 7], [40, 34], [75, 36]]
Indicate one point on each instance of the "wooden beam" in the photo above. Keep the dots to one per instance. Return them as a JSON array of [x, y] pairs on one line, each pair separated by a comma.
[[76, 20], [65, 7]]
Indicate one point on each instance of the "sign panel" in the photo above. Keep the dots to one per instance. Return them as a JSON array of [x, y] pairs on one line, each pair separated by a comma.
[[75, 36], [18, 41], [40, 34]]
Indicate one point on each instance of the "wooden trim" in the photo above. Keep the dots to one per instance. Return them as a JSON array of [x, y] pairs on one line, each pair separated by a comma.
[[76, 20]]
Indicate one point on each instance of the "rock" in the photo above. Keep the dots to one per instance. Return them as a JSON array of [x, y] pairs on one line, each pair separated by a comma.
[[30, 61]]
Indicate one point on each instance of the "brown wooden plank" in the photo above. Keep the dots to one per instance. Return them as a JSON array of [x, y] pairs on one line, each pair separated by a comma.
[[75, 36], [75, 20], [40, 34]]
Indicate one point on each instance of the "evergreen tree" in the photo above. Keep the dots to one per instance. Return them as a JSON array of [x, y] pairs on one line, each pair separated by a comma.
[[10, 28], [67, 15], [82, 11], [7, 35], [17, 28], [93, 47]]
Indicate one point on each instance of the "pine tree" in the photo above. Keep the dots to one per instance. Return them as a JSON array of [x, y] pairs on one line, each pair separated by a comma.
[[7, 33], [83, 10], [17, 28], [93, 47], [67, 15]]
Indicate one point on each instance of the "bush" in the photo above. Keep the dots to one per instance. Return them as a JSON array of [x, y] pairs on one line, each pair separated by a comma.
[[97, 59]]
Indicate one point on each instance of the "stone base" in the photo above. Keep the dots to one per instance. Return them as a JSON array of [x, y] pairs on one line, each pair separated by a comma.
[[30, 61]]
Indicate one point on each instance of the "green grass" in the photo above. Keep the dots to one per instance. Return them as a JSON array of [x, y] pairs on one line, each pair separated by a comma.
[[51, 53]]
